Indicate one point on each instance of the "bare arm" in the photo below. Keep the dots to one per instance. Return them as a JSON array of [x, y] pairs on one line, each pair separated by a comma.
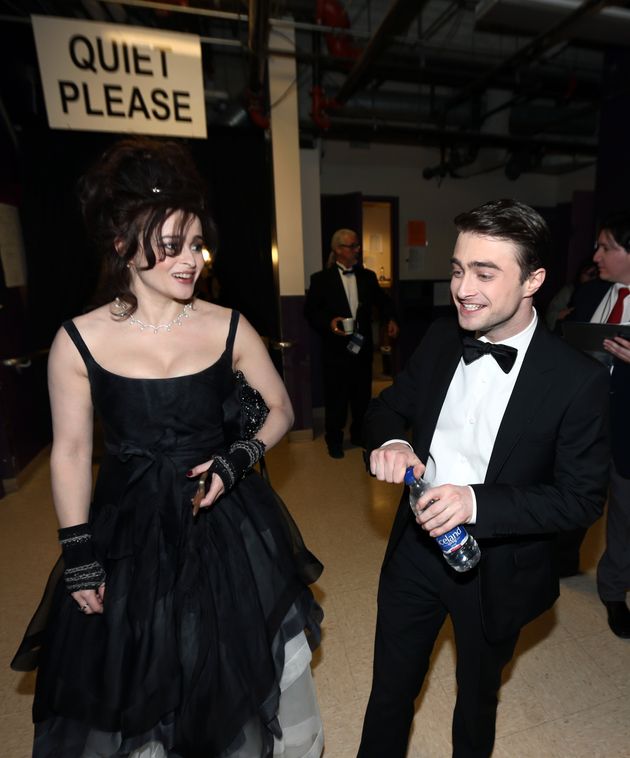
[[71, 456], [251, 357]]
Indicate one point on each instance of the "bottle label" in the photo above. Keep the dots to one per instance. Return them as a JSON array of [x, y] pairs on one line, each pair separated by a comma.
[[453, 540]]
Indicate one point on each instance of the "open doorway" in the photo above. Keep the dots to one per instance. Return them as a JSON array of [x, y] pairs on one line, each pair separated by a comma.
[[380, 254], [375, 221]]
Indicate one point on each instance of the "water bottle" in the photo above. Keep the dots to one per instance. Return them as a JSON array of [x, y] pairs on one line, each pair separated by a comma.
[[459, 548]]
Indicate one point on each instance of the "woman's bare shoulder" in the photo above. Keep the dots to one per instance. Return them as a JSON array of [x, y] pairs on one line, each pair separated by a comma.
[[212, 310], [215, 318], [95, 320]]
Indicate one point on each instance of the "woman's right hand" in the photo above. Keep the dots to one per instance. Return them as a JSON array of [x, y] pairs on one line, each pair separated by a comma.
[[216, 488], [90, 601]]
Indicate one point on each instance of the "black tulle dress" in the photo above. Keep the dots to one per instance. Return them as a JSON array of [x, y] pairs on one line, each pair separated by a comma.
[[203, 646]]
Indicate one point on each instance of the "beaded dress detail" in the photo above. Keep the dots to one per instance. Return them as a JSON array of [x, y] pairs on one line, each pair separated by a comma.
[[203, 649]]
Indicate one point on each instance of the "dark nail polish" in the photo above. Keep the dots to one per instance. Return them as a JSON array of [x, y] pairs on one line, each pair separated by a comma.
[[189, 473]]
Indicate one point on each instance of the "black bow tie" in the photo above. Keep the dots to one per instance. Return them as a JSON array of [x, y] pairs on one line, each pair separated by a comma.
[[345, 271], [504, 355]]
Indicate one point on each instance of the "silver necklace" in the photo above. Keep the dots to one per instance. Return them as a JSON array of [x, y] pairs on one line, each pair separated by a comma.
[[177, 321]]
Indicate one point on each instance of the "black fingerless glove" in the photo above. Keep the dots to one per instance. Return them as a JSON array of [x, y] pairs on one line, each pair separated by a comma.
[[232, 466], [82, 570]]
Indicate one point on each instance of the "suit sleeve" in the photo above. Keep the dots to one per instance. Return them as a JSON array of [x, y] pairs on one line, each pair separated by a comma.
[[391, 414], [573, 495], [316, 310]]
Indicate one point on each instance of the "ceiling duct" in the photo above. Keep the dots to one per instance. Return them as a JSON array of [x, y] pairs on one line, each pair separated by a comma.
[[533, 119], [417, 108], [611, 26]]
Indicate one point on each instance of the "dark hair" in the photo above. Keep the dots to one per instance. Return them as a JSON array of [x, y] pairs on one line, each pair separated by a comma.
[[126, 198], [618, 224], [515, 222]]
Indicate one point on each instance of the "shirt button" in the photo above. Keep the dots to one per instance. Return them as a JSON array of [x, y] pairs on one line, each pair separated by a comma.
[[471, 419]]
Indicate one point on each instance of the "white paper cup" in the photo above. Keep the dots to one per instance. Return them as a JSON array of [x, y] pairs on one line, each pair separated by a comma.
[[347, 324]]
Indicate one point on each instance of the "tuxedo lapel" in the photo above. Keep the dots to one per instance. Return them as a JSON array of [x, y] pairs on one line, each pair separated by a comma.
[[440, 381], [533, 383]]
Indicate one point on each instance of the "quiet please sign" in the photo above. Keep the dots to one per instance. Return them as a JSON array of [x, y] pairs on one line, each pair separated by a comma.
[[114, 78]]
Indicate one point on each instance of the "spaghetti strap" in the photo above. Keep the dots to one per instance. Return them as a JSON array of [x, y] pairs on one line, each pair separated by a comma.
[[80, 345], [229, 343]]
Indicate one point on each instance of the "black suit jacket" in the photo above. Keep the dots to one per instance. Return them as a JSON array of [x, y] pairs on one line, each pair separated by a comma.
[[585, 301], [326, 298], [547, 472]]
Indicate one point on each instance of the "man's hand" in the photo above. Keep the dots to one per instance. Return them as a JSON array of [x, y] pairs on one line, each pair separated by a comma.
[[335, 326], [619, 347], [451, 505], [392, 329], [389, 463]]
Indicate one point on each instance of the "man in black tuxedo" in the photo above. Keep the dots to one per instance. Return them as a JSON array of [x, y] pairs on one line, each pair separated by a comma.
[[346, 290], [607, 301], [517, 452]]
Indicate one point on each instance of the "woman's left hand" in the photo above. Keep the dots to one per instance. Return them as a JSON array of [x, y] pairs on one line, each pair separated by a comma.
[[214, 491], [619, 347]]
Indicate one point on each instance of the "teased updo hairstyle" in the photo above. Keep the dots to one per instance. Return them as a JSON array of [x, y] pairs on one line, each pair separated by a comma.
[[514, 222], [127, 196]]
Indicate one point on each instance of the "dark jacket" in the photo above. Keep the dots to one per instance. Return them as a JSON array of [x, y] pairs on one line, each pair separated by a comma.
[[585, 302], [326, 298], [548, 471]]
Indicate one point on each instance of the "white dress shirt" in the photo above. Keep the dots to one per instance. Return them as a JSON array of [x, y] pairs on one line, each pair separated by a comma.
[[471, 414], [602, 312], [349, 282]]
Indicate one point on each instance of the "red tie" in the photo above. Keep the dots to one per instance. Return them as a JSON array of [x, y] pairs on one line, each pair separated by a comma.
[[617, 311]]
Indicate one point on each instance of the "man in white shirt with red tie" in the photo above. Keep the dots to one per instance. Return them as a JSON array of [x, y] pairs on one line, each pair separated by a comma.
[[607, 301], [511, 423]]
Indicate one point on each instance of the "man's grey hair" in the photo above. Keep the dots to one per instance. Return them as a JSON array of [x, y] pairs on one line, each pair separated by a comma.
[[337, 238]]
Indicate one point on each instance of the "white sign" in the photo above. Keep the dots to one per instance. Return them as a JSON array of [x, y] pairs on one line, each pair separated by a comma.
[[114, 78]]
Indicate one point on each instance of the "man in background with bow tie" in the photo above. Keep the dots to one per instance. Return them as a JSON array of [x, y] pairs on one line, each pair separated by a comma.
[[511, 424], [346, 290], [607, 302]]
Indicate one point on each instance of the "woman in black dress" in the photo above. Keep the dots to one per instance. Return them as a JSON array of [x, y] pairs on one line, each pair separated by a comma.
[[165, 632]]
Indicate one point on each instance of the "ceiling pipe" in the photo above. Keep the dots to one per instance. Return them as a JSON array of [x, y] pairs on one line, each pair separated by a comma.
[[258, 42], [396, 21], [231, 16], [533, 50], [332, 13], [368, 130]]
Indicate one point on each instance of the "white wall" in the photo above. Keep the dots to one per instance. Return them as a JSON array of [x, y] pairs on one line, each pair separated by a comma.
[[397, 170]]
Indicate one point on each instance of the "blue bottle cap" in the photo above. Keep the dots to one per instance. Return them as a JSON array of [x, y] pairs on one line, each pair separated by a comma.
[[409, 477]]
